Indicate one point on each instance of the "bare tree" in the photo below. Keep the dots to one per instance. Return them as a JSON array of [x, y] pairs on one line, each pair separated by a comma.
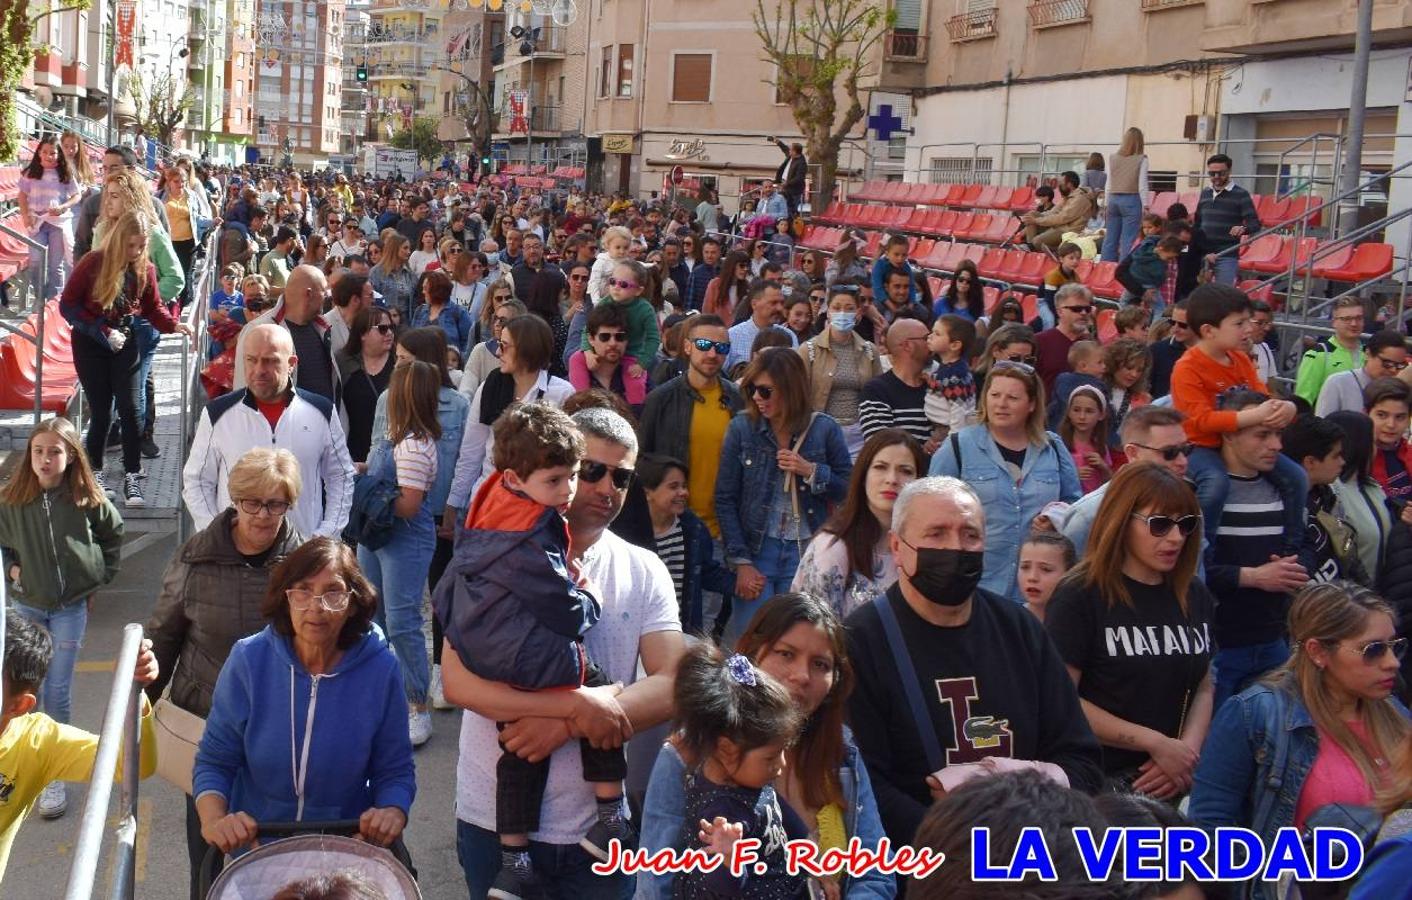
[[819, 48], [477, 115], [161, 106]]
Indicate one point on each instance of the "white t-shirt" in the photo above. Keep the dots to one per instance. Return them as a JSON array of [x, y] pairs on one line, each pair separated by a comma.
[[638, 598]]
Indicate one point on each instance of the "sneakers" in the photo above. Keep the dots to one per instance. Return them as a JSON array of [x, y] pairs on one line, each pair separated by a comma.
[[435, 693], [512, 885], [132, 491], [419, 726], [53, 801], [102, 480], [149, 447], [596, 841]]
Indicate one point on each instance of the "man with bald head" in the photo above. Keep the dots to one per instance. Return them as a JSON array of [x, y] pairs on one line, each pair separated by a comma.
[[299, 312], [271, 412], [895, 399]]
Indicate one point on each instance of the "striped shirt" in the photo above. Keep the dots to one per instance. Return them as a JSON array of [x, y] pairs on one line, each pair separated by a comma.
[[889, 402], [1251, 531], [416, 463], [671, 549]]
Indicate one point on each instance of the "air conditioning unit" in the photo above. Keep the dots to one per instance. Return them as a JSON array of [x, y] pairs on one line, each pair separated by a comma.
[[1201, 129]]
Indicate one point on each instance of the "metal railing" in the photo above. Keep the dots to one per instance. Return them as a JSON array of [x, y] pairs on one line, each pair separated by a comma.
[[41, 267], [1048, 13], [120, 734], [905, 46], [970, 26], [194, 352]]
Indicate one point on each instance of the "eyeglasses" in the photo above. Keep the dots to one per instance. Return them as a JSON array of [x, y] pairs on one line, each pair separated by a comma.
[[1376, 650], [500, 321], [1159, 526], [593, 472], [1081, 310], [624, 285], [617, 337], [1392, 365], [1357, 317], [1026, 360], [706, 345], [1170, 453], [763, 391], [331, 601], [1217, 173], [269, 507]]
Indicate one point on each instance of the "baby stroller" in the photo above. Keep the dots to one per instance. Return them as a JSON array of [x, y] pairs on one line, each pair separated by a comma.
[[305, 849]]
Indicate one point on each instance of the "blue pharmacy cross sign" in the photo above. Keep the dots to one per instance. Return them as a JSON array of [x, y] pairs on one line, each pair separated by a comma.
[[884, 123]]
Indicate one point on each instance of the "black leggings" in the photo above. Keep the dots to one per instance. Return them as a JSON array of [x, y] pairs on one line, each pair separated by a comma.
[[440, 559], [186, 252], [109, 377]]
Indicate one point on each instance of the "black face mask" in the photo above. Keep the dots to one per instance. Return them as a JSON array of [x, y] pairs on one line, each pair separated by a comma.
[[947, 577]]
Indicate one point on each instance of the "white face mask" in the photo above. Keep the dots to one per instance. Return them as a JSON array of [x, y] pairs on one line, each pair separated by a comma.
[[843, 321]]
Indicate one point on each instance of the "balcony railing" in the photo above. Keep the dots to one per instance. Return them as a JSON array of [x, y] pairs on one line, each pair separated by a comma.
[[551, 42], [399, 34], [972, 26], [905, 46], [1048, 13], [1151, 5], [396, 69]]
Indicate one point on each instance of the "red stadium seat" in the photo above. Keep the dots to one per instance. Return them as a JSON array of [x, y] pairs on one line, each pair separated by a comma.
[[980, 224], [1012, 266], [986, 198], [961, 225], [1030, 304], [1261, 250], [1328, 261], [955, 252], [1022, 199], [1036, 266], [1103, 281], [1161, 203], [1369, 261], [936, 257], [1272, 210], [1258, 290], [1001, 200], [970, 195], [1002, 228], [990, 263], [1105, 327]]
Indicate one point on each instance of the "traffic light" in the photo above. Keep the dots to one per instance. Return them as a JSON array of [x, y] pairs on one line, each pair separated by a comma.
[[362, 73]]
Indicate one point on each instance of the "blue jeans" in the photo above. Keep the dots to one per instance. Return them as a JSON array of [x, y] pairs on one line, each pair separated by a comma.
[[1227, 269], [399, 573], [777, 561], [57, 263], [563, 869], [1208, 473], [66, 627], [1236, 667], [1121, 225]]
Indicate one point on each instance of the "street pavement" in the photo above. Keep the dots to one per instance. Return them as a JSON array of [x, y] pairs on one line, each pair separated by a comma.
[[43, 852]]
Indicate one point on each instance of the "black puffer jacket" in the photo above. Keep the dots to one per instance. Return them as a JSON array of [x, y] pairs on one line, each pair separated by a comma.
[[1395, 586], [210, 599]]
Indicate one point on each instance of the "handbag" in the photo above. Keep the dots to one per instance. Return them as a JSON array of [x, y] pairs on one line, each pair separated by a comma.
[[178, 734], [371, 519]]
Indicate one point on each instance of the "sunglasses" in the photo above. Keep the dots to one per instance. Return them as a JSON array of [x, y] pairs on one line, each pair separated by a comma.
[[624, 285], [1159, 526], [1217, 173], [1376, 650], [1082, 310], [1176, 324], [1026, 360], [617, 337], [383, 328], [453, 249], [705, 345], [593, 472], [763, 391], [1170, 453]]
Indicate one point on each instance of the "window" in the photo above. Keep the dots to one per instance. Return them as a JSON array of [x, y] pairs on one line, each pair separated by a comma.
[[691, 77], [960, 170], [605, 84], [625, 70]]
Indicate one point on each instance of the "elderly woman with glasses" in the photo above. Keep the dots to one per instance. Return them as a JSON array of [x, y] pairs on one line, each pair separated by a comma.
[[1015, 467], [309, 717], [213, 589]]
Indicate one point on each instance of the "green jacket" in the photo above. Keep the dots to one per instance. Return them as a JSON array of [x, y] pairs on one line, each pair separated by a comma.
[[170, 276], [64, 552], [1320, 361]]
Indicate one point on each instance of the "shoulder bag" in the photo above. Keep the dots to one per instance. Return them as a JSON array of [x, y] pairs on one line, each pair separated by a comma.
[[178, 733]]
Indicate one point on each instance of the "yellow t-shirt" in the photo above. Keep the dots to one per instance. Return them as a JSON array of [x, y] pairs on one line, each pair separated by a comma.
[[35, 750], [179, 217], [709, 422]]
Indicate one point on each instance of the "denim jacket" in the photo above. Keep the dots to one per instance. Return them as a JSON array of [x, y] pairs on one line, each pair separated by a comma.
[[1254, 763], [451, 410], [1010, 506], [749, 472], [666, 798]]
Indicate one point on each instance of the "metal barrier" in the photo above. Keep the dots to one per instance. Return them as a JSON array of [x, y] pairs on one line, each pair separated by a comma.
[[194, 352], [40, 303], [119, 734]]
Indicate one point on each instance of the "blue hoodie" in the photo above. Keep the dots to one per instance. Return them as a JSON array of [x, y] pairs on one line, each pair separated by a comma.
[[346, 733]]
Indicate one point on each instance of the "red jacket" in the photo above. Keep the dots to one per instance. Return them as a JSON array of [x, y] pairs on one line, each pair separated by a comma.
[[84, 312]]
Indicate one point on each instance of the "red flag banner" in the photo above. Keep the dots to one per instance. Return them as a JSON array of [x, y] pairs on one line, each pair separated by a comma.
[[126, 19]]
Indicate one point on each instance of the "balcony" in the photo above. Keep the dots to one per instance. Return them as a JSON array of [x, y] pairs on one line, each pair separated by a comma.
[[379, 34], [972, 26], [1155, 5], [383, 71], [1052, 13], [905, 46], [551, 43]]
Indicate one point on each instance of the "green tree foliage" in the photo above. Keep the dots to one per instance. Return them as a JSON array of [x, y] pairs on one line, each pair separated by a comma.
[[17, 21], [421, 137]]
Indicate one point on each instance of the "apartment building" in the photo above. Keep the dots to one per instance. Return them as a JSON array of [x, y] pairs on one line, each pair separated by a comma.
[[299, 80], [404, 44], [539, 87], [221, 68], [683, 84]]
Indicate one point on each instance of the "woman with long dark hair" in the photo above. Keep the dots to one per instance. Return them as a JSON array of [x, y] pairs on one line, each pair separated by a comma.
[[48, 194], [367, 357], [796, 639], [546, 300], [1150, 708], [848, 562], [963, 297], [728, 288], [1363, 501]]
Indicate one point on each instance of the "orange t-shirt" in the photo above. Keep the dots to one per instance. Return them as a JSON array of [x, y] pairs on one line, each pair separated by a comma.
[[1197, 380]]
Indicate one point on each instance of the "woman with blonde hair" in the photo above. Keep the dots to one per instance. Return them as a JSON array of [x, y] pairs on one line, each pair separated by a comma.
[[109, 287], [1127, 185], [213, 588], [1015, 467], [1150, 709], [1322, 729], [392, 278]]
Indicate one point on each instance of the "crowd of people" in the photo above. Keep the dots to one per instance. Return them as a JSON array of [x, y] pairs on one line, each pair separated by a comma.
[[881, 557]]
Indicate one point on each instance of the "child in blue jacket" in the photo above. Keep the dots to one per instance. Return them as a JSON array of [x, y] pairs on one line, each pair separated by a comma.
[[513, 609]]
